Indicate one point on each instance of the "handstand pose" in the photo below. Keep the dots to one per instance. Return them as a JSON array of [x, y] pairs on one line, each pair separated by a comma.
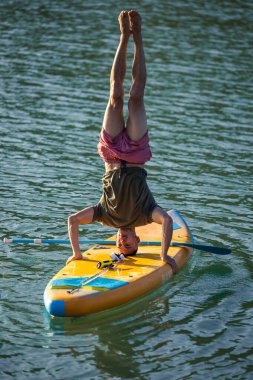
[[126, 202]]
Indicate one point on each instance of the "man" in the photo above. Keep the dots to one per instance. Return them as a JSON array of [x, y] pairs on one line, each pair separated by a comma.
[[126, 201]]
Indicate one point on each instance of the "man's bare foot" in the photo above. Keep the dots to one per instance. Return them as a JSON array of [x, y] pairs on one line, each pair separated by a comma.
[[135, 22], [124, 23]]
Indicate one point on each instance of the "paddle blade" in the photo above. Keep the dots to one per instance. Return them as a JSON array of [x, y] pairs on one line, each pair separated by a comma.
[[206, 248]]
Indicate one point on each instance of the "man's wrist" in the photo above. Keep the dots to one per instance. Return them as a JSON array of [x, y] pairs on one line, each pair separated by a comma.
[[78, 255], [169, 260]]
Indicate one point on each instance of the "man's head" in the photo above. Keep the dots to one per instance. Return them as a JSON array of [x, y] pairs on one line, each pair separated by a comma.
[[127, 241]]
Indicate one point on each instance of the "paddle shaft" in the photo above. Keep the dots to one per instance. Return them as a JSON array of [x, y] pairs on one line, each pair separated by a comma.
[[201, 247]]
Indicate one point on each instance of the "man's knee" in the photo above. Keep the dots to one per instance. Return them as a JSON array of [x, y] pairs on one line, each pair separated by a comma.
[[116, 95], [136, 97]]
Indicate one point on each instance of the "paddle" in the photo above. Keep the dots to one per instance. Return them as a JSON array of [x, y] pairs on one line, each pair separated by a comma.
[[201, 247]]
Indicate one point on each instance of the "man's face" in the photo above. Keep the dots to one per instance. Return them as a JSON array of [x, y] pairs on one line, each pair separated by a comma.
[[127, 241]]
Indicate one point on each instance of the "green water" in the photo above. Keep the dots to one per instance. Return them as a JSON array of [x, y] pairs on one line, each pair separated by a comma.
[[55, 59]]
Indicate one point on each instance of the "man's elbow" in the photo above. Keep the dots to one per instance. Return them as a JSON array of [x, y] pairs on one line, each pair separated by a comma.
[[72, 220], [168, 221]]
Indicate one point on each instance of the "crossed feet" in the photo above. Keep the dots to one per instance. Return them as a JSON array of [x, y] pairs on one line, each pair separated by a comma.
[[130, 22]]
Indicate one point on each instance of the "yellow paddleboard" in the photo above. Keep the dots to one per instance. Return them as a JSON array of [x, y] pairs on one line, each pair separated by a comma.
[[80, 288]]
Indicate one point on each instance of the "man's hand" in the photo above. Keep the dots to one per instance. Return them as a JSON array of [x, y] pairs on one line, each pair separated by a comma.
[[169, 260], [74, 257]]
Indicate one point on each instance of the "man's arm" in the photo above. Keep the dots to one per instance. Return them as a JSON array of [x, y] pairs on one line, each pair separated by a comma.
[[82, 217], [161, 217]]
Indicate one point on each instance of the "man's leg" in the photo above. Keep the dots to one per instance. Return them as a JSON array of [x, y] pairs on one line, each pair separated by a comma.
[[113, 122], [137, 121]]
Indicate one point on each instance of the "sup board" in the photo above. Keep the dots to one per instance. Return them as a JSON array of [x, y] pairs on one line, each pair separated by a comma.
[[84, 286]]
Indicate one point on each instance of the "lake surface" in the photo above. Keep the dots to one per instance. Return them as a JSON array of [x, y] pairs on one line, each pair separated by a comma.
[[55, 60]]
